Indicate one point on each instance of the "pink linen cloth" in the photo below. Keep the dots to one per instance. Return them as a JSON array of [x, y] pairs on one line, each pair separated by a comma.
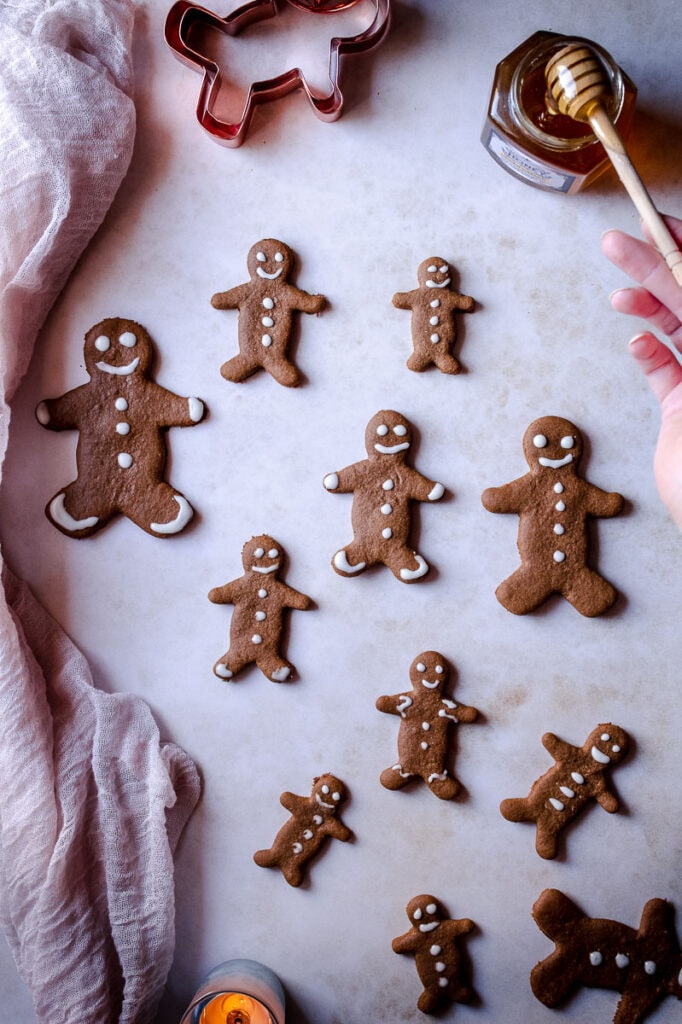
[[91, 802]]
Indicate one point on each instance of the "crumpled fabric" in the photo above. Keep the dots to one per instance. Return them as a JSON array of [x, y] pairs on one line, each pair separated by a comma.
[[92, 803]]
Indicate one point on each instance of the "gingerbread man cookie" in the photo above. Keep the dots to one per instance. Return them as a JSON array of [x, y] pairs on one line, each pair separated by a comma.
[[383, 488], [313, 820], [434, 942], [434, 327], [554, 506], [266, 304], [643, 964], [427, 718], [260, 599], [563, 792], [121, 416]]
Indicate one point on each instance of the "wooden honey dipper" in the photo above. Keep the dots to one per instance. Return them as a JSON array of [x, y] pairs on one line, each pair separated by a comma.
[[579, 85]]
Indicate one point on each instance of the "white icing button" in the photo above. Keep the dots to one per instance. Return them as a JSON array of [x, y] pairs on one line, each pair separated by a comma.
[[262, 592], [435, 950], [267, 321], [649, 966], [434, 338], [622, 960], [556, 804], [256, 639], [577, 777], [559, 529], [387, 533], [121, 404], [260, 616], [570, 793], [268, 303], [122, 428], [558, 488], [434, 320], [443, 982], [424, 745], [387, 485], [559, 556], [307, 834], [266, 341], [297, 848], [435, 303], [317, 818], [387, 509], [440, 966], [125, 460], [425, 726], [560, 506], [596, 958]]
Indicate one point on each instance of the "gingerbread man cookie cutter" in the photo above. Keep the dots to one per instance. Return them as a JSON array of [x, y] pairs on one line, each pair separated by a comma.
[[187, 20]]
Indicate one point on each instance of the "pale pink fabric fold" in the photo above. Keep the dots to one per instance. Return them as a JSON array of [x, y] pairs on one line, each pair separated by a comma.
[[92, 803]]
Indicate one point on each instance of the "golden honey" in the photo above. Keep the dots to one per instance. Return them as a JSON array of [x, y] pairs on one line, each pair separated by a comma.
[[526, 134]]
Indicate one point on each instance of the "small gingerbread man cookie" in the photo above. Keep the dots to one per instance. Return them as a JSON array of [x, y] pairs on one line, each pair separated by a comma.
[[266, 304], [563, 792], [554, 506], [434, 942], [260, 599], [427, 718], [121, 416], [434, 306], [644, 964], [313, 820], [383, 488]]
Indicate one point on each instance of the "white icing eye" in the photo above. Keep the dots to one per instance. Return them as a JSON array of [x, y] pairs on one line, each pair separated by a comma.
[[649, 966], [382, 430], [605, 737], [128, 339], [596, 958], [421, 667], [261, 257], [622, 960], [615, 748], [432, 269], [444, 268], [417, 915], [279, 258], [439, 669], [258, 553], [400, 430], [336, 797], [273, 553], [102, 343], [540, 441], [431, 909], [325, 789], [567, 442]]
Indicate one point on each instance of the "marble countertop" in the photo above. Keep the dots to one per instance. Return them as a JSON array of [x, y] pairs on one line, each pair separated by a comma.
[[400, 177]]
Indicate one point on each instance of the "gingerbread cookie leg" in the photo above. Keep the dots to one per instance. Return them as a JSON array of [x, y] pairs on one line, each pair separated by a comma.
[[590, 593], [523, 591], [405, 564], [68, 511], [240, 367], [351, 560]]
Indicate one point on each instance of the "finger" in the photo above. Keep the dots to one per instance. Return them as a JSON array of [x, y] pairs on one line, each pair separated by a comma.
[[640, 302], [658, 364], [642, 262]]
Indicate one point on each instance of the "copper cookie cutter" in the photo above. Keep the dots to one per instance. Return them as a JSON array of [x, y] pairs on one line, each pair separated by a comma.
[[186, 18]]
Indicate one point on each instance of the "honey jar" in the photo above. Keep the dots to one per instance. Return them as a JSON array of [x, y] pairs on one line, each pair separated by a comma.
[[526, 134]]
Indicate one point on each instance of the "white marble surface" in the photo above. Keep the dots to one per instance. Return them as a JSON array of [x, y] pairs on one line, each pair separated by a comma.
[[400, 177]]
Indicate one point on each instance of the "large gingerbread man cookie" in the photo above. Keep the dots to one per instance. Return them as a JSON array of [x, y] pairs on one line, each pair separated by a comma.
[[121, 416], [576, 779], [434, 305], [314, 819], [267, 304], [383, 487], [644, 963], [554, 506], [427, 718], [434, 942], [260, 599]]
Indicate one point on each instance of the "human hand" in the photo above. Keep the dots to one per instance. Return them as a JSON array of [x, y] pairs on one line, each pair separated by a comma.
[[657, 298]]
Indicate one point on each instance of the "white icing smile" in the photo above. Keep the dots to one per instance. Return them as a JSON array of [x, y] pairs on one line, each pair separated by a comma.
[[265, 568], [438, 284], [119, 371], [384, 449], [428, 927], [429, 685], [556, 463], [330, 807], [269, 277], [600, 756]]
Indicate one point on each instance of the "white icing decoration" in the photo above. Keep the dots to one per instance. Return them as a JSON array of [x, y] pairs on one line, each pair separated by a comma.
[[400, 430], [279, 258], [596, 958], [556, 804], [434, 338], [59, 515], [559, 529], [269, 277], [384, 449], [567, 442], [121, 404], [435, 950], [436, 492], [308, 834], [420, 666], [256, 638], [404, 703], [267, 321], [42, 414], [266, 341], [558, 488], [268, 303], [559, 556], [615, 748], [125, 460], [428, 927], [417, 914], [259, 552], [605, 737], [436, 284], [196, 409], [443, 982], [341, 562], [185, 513], [119, 371], [122, 428], [599, 756], [317, 819], [435, 303], [102, 343], [414, 574], [425, 726], [387, 485], [434, 320], [260, 616], [331, 481], [570, 793], [280, 674], [128, 339], [297, 847], [649, 966], [556, 463], [432, 269], [223, 671], [382, 430], [273, 553], [560, 506], [436, 776], [387, 533], [387, 509], [578, 778], [622, 960], [540, 441], [424, 745], [265, 570], [262, 592], [440, 966]]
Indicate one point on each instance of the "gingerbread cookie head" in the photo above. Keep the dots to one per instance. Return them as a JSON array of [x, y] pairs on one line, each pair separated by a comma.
[[117, 348], [425, 913], [262, 555], [434, 273], [554, 443], [270, 260], [607, 744], [329, 793], [429, 670], [388, 434]]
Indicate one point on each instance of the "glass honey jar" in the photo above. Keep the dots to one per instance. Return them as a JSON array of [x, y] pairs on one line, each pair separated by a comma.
[[525, 133]]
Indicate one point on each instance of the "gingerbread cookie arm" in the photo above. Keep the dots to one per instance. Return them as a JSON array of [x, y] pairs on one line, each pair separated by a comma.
[[395, 704], [458, 712], [511, 497], [303, 301], [604, 504], [174, 410], [410, 942], [344, 480], [421, 488], [232, 298], [293, 803], [604, 796], [558, 748], [335, 829], [63, 413], [294, 599], [406, 300], [227, 594]]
